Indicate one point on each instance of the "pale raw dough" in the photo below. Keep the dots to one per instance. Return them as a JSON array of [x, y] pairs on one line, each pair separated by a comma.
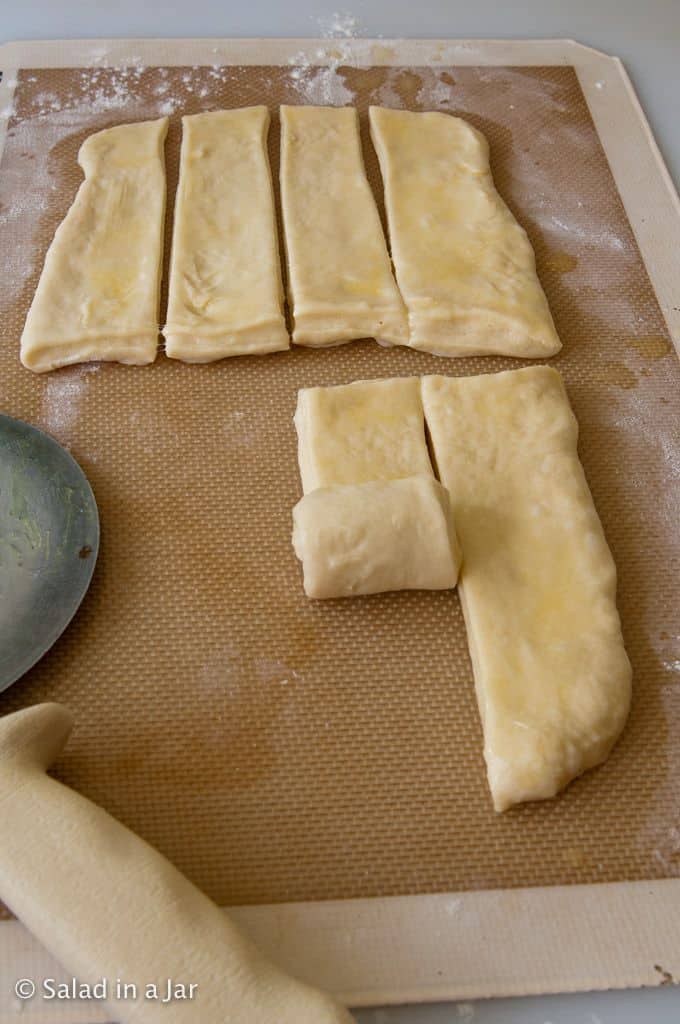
[[98, 293], [226, 295], [355, 433], [538, 583], [340, 280], [377, 536], [465, 267], [107, 905]]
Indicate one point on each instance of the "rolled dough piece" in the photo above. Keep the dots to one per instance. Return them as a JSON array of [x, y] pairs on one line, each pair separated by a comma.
[[354, 433], [98, 294], [63, 860], [340, 278], [226, 295], [465, 267], [371, 537], [538, 583]]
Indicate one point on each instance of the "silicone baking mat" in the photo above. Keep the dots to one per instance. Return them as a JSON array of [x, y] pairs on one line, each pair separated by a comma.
[[277, 749]]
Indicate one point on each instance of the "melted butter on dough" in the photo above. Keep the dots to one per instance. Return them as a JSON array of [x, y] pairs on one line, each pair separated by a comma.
[[225, 294], [355, 433], [465, 267], [98, 293], [538, 583], [340, 278]]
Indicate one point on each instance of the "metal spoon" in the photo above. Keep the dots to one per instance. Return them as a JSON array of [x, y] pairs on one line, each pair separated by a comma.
[[49, 539]]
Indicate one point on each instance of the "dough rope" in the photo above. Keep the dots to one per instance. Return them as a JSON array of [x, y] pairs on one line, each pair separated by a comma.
[[63, 858]]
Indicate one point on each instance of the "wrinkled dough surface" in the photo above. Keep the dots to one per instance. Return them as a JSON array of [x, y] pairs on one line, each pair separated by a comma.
[[377, 536]]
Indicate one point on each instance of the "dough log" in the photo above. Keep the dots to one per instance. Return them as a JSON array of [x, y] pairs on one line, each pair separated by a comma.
[[340, 280], [98, 293], [225, 295], [465, 267], [377, 536], [538, 583], [108, 905]]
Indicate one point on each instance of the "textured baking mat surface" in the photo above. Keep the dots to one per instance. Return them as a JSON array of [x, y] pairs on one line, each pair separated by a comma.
[[277, 749]]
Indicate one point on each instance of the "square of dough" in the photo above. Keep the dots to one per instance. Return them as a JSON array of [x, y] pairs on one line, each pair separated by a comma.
[[354, 433], [340, 281], [538, 582], [376, 536], [225, 294], [465, 267], [98, 294]]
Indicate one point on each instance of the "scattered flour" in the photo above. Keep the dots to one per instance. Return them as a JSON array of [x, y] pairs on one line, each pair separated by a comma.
[[442, 93], [241, 430], [48, 102], [30, 183], [168, 106], [62, 396], [277, 673], [581, 232], [387, 94], [339, 25], [106, 86], [322, 83]]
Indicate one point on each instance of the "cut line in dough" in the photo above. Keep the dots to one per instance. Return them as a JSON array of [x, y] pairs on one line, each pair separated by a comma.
[[225, 294], [340, 281], [465, 267], [538, 582], [98, 294]]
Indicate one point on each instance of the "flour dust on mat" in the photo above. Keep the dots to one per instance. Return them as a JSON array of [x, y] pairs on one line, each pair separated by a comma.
[[61, 400]]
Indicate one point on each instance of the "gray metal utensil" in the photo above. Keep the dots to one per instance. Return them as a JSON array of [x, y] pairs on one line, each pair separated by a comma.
[[49, 539]]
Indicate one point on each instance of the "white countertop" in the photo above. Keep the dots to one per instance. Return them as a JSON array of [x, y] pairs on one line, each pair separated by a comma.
[[645, 35]]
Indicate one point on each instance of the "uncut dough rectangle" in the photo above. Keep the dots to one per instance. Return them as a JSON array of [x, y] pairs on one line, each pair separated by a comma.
[[99, 290], [340, 280], [225, 295], [538, 583], [355, 433], [465, 267]]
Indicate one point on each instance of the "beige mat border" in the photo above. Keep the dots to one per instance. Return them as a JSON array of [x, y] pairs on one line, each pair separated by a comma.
[[460, 945], [456, 945]]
